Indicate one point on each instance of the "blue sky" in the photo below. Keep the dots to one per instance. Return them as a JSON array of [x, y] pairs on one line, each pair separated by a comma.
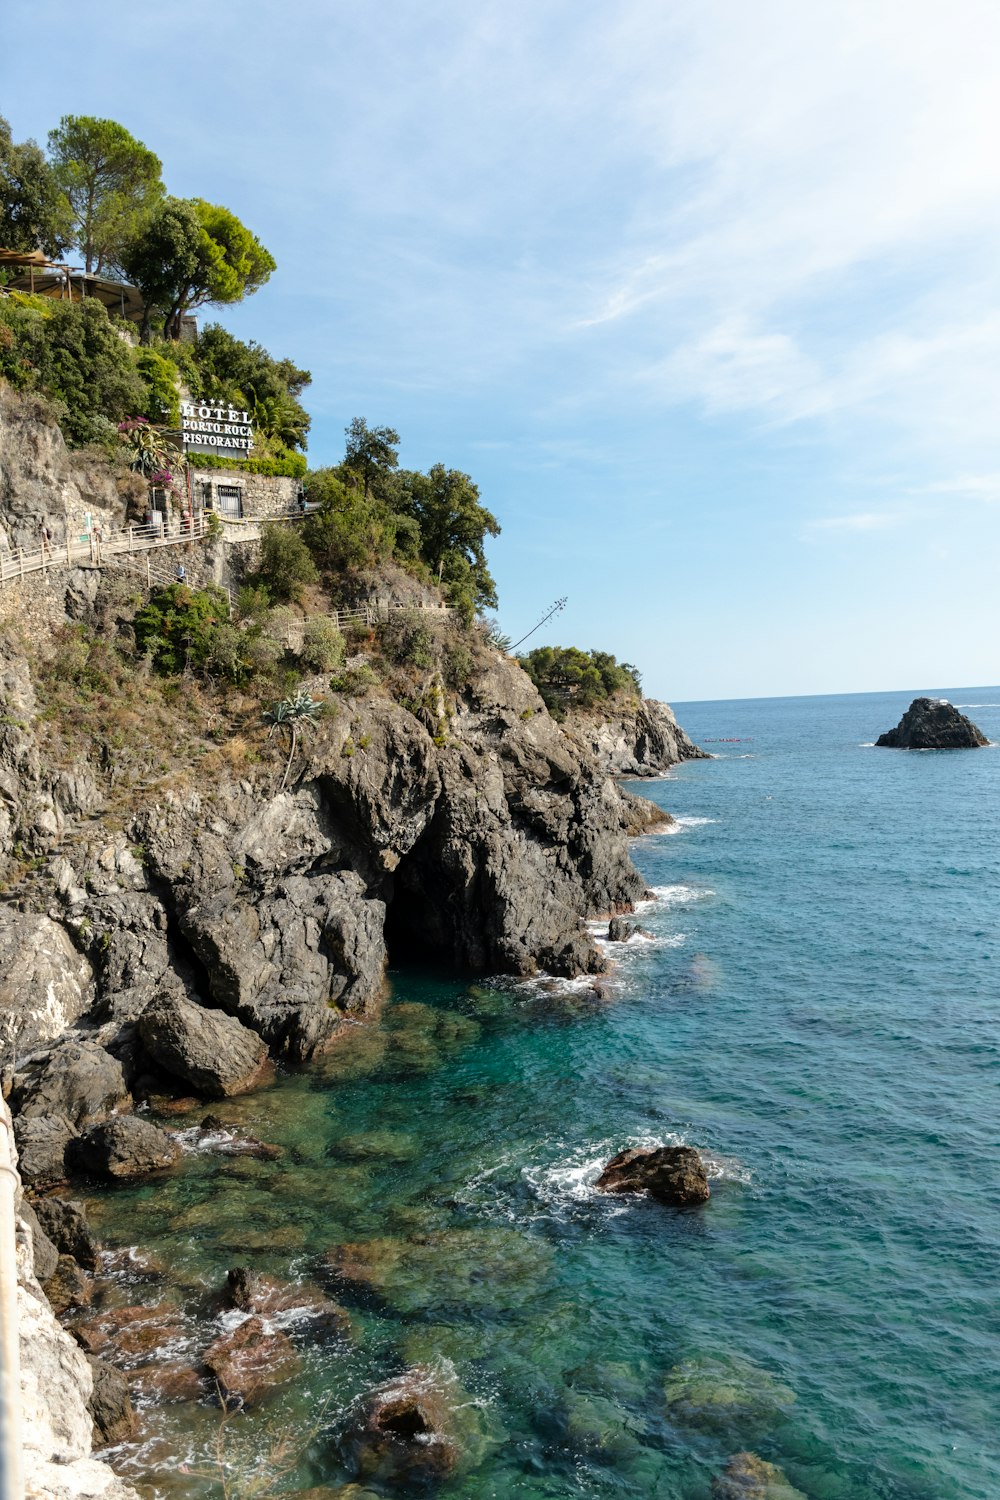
[[703, 295]]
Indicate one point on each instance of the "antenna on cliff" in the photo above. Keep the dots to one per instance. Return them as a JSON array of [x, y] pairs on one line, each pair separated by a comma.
[[559, 604]]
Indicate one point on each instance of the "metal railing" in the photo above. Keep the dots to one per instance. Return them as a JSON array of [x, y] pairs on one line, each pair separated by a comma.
[[95, 548]]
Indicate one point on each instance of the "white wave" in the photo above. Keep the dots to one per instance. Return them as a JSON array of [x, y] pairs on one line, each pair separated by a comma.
[[976, 705], [867, 745], [675, 895], [680, 824], [194, 1139]]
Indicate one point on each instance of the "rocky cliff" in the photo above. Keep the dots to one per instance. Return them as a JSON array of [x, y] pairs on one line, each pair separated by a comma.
[[634, 737], [57, 1384], [178, 904]]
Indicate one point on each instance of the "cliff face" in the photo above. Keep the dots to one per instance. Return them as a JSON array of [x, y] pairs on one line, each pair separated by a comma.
[[42, 483], [56, 1386], [637, 737], [484, 850]]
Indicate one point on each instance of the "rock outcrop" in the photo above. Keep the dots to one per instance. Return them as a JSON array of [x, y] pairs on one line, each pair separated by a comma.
[[633, 737], [122, 1148], [933, 724], [410, 1429], [672, 1174], [250, 1360], [209, 1050], [57, 1385]]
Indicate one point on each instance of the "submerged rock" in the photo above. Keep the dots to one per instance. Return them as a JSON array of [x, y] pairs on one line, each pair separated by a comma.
[[129, 1332], [933, 724], [672, 1174], [249, 1360], [726, 1394], [122, 1148], [419, 1428], [444, 1267], [748, 1477], [207, 1049], [256, 1292]]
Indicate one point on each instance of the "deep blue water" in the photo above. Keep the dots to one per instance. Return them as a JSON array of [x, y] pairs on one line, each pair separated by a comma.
[[818, 1012]]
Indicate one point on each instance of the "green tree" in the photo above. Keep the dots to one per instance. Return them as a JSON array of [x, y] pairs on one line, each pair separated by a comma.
[[372, 455], [567, 677], [453, 529], [248, 376], [34, 212], [197, 254], [176, 629], [286, 565], [112, 182], [163, 257], [345, 530]]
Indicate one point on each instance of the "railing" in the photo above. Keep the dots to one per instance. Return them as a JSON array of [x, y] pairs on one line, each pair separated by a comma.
[[95, 548]]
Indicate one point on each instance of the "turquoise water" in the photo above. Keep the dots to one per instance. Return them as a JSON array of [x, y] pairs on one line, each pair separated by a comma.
[[817, 1011]]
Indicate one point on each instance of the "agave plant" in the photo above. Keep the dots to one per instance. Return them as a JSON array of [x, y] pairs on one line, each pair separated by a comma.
[[296, 715], [148, 450]]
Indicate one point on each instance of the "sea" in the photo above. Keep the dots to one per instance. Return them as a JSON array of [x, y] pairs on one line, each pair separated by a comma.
[[813, 1003]]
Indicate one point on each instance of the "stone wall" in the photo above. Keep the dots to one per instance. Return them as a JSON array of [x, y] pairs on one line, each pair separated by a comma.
[[263, 494]]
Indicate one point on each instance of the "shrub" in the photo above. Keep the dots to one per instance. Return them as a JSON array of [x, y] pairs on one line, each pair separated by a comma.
[[406, 640], [568, 677], [322, 645], [177, 628], [286, 566], [355, 679]]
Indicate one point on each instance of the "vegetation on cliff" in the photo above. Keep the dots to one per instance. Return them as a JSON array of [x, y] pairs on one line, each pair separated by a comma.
[[567, 677]]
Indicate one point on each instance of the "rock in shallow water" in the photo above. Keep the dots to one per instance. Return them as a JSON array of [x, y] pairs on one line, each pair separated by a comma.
[[748, 1477], [672, 1174], [933, 724], [419, 1428], [248, 1361], [256, 1292], [110, 1406], [122, 1148], [65, 1223]]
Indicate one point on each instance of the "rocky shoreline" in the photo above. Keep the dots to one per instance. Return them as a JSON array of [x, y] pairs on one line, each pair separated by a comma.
[[163, 949]]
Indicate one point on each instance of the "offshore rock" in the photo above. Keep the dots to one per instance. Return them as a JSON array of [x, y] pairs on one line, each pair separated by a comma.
[[209, 1050], [122, 1148], [632, 737], [78, 1080], [249, 1361], [410, 1428], [727, 1395], [671, 1174], [933, 724], [255, 1292]]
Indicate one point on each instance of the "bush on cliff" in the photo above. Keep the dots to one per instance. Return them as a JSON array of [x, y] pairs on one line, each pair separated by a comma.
[[286, 566], [567, 677]]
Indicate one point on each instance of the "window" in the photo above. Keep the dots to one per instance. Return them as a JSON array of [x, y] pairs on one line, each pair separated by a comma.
[[229, 500]]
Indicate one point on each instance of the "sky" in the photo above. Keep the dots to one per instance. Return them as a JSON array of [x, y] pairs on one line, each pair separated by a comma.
[[705, 295]]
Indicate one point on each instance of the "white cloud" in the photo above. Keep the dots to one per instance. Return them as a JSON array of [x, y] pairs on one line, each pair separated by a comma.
[[863, 521]]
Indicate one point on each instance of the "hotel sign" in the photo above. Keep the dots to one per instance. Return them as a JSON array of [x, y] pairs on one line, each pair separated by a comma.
[[207, 428]]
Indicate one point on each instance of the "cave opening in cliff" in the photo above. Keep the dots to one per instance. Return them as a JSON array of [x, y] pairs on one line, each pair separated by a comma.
[[418, 928]]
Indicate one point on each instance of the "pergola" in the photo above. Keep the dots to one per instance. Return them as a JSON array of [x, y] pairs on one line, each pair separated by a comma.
[[48, 278]]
